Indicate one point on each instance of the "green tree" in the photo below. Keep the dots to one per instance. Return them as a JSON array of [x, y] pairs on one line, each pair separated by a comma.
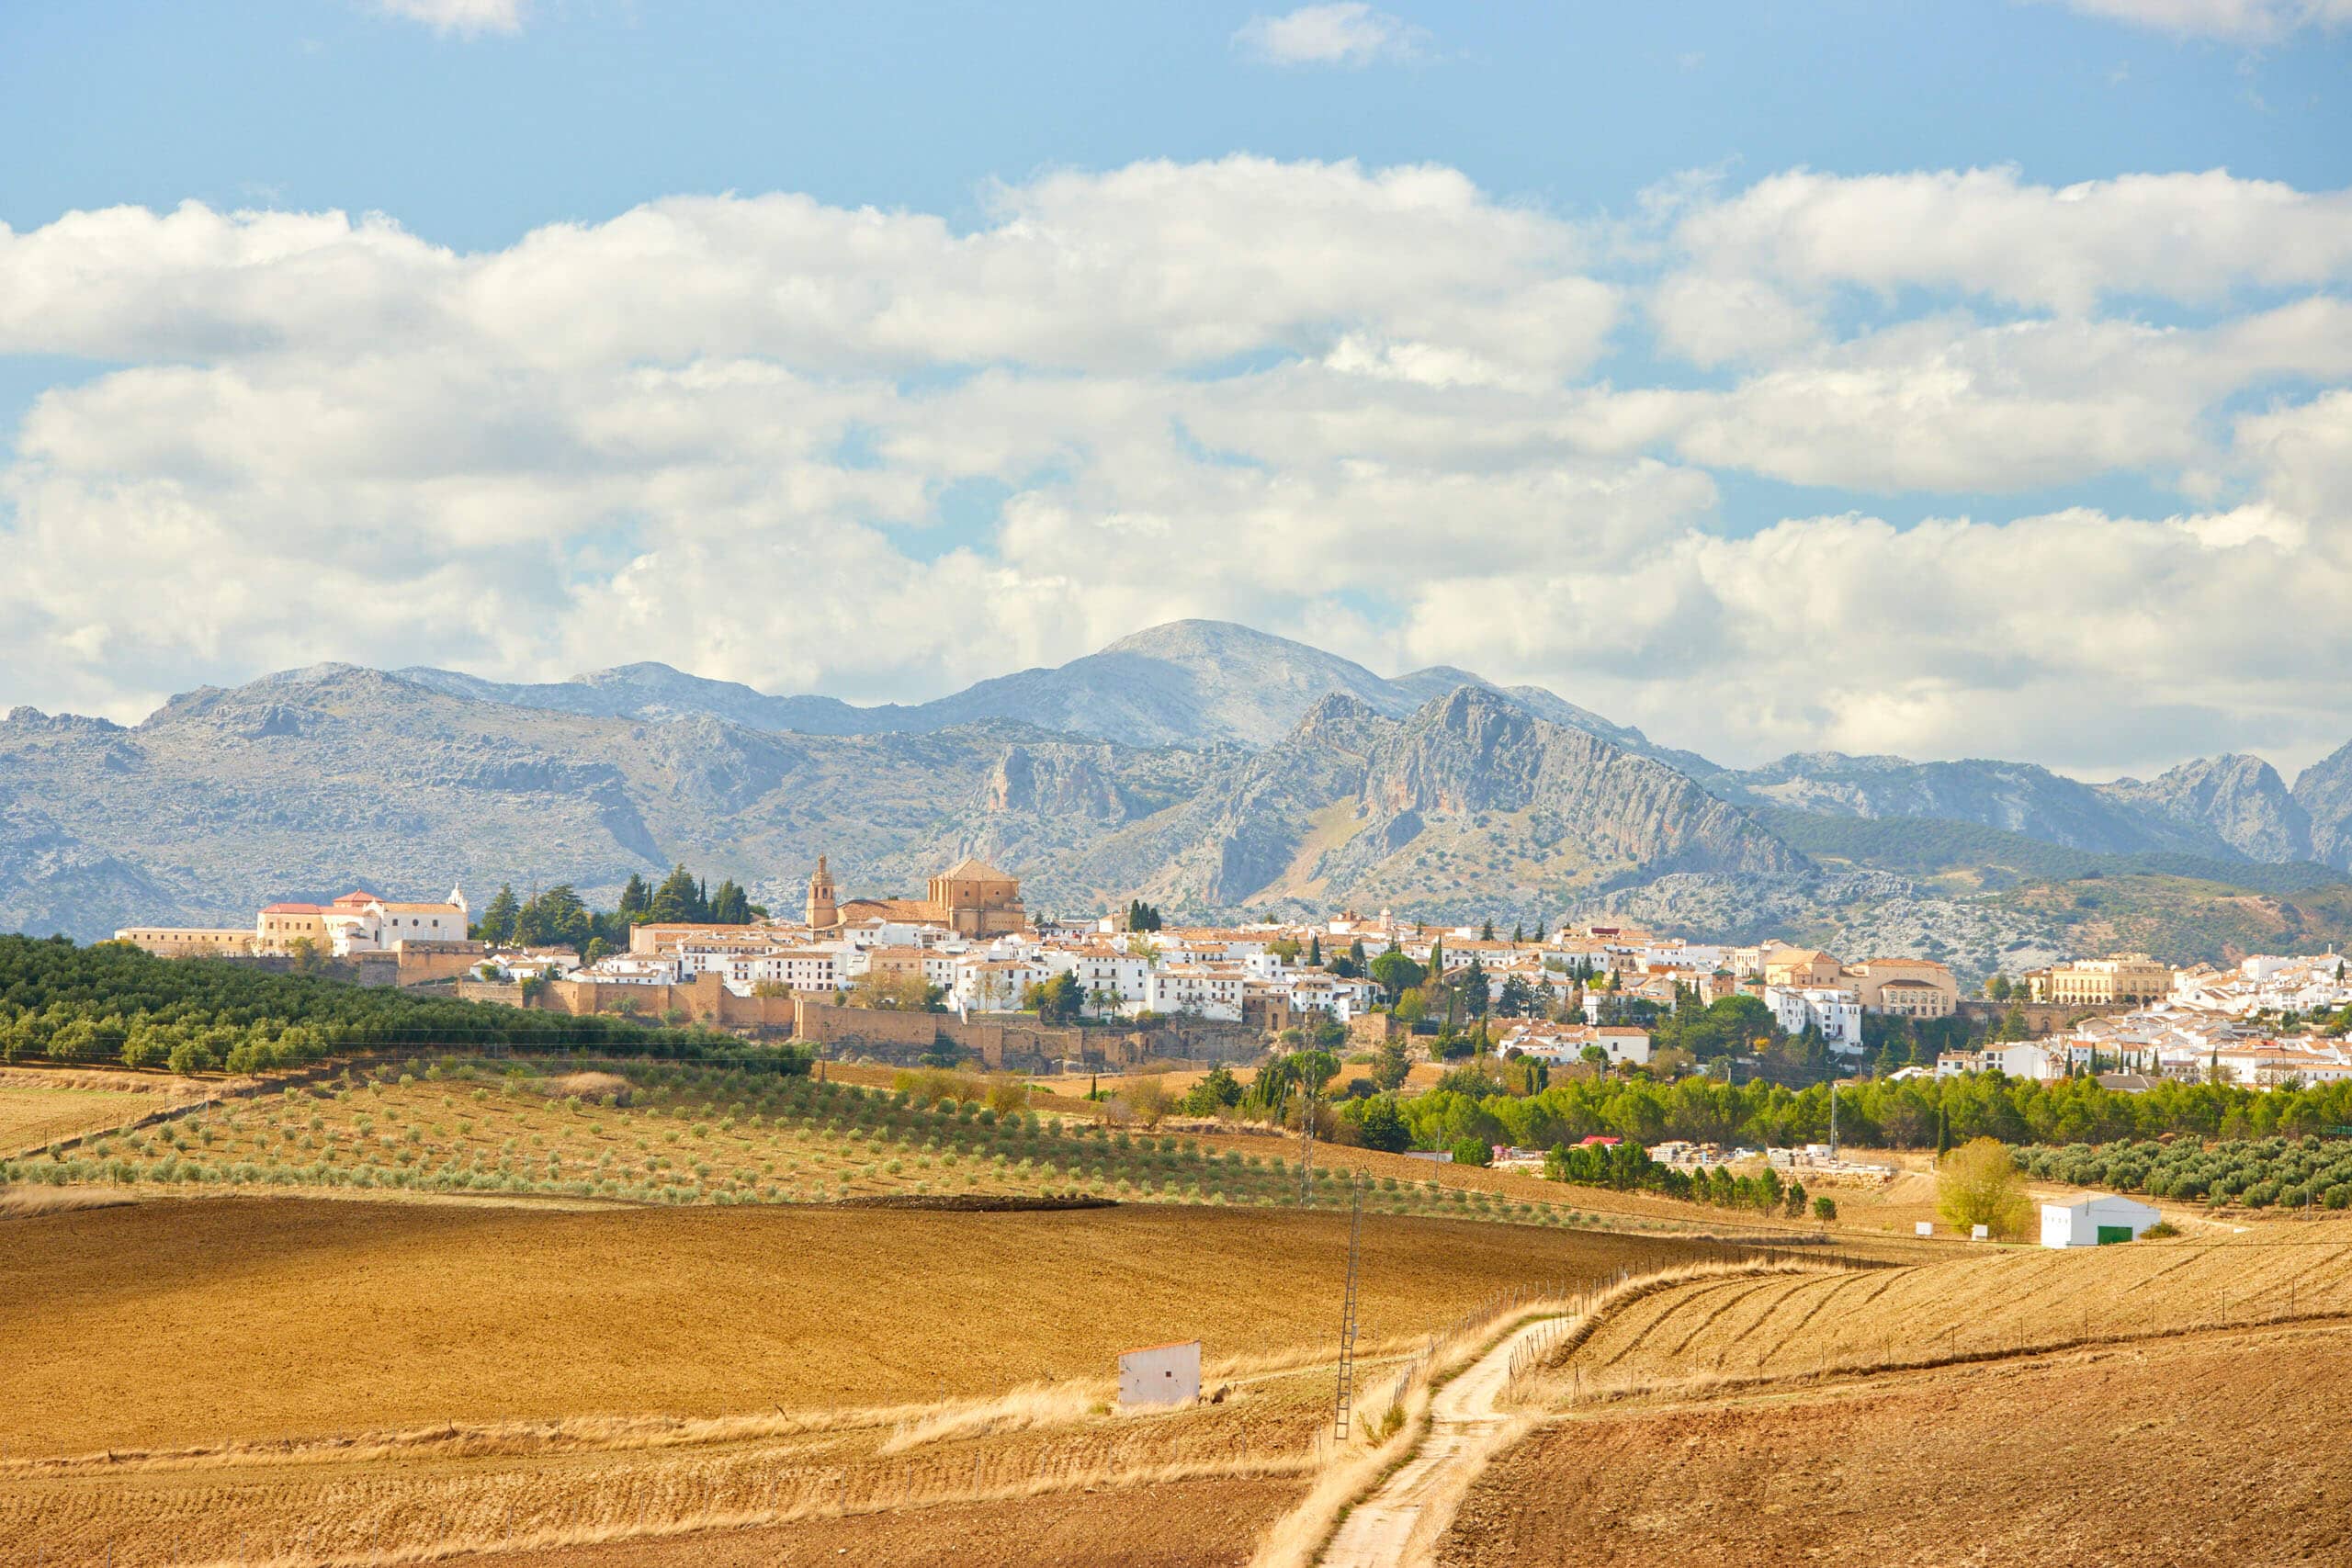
[[554, 918], [1060, 1000], [1518, 999], [498, 918], [1390, 1066], [1379, 1122], [1216, 1093], [1487, 931], [730, 904], [1397, 974], [637, 899], [1473, 1151], [1978, 1184], [679, 899], [1473, 988]]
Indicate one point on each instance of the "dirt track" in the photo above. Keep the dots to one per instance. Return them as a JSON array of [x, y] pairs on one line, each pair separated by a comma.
[[1465, 1431]]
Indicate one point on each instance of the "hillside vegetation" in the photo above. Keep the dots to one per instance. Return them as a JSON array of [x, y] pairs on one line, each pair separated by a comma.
[[109, 1003], [1926, 846]]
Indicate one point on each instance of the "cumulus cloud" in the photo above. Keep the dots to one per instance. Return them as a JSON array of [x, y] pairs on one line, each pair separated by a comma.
[[1348, 33], [1988, 233], [878, 454], [2243, 21], [466, 18]]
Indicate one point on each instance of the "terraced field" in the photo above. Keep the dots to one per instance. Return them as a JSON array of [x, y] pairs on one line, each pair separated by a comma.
[[670, 1134], [1990, 1304]]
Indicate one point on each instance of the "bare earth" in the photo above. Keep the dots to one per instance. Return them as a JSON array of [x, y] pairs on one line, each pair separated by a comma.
[[2220, 1447]]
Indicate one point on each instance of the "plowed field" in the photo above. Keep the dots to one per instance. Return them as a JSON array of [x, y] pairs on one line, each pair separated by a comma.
[[1992, 1303], [2217, 1448], [191, 1321]]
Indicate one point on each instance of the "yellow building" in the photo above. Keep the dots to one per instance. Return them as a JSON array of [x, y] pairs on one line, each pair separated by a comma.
[[280, 926], [2101, 982], [189, 941], [1800, 968], [972, 898], [1908, 988]]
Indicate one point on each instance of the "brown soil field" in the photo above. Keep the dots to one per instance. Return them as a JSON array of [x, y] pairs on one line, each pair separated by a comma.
[[196, 1320], [2215, 1447], [662, 1489], [731, 1489], [1993, 1303], [1185, 1524]]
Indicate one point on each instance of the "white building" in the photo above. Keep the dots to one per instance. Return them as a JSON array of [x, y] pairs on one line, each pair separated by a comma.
[[630, 969], [1204, 990], [1837, 1014], [1564, 1044], [1102, 970], [2095, 1221], [796, 968], [995, 985], [1160, 1375]]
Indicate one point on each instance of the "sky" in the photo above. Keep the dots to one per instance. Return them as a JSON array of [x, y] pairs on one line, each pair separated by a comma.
[[1940, 378]]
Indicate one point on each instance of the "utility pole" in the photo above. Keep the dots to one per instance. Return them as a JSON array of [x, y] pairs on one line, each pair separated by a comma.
[[1305, 1147], [1344, 1398]]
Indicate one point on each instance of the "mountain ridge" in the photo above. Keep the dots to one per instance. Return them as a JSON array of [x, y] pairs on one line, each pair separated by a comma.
[[1214, 768]]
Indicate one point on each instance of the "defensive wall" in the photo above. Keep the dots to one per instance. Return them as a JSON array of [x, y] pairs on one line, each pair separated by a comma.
[[2041, 1018]]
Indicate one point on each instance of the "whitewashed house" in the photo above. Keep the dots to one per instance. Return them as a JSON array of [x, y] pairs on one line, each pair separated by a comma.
[[2095, 1221]]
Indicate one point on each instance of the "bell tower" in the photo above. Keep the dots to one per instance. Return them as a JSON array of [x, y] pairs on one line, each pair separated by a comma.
[[824, 912]]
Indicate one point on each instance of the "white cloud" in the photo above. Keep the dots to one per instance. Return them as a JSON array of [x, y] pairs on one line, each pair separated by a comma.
[[2241, 21], [466, 18], [724, 433], [1350, 33], [1986, 232]]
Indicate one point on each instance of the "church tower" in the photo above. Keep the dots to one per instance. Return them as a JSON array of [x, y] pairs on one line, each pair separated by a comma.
[[823, 913]]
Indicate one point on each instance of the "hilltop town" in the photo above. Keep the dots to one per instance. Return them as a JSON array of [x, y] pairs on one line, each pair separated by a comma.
[[954, 969]]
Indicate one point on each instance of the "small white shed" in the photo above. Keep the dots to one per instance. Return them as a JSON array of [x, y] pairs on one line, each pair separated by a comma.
[[1160, 1375], [2095, 1221]]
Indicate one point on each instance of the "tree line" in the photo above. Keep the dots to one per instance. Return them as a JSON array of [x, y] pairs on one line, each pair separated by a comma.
[[558, 916], [1476, 1104], [112, 1003]]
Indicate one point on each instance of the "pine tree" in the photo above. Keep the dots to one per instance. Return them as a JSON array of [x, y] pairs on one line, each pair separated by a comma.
[[677, 901], [1315, 951], [635, 898], [498, 921], [1518, 934]]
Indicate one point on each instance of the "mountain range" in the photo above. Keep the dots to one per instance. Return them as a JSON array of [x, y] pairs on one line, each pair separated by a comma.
[[1210, 767]]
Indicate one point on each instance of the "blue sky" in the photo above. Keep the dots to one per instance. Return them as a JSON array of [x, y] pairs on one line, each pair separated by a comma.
[[596, 105], [1707, 335]]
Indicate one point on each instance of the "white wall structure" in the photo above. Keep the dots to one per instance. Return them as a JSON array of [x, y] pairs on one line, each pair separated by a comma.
[[2095, 1221], [1160, 1375], [1837, 1014]]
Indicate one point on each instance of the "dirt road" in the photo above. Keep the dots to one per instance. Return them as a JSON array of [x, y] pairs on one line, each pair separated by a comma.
[[1400, 1524]]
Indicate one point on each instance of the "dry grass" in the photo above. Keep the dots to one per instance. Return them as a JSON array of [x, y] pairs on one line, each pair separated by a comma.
[[436, 1500], [1392, 1422], [1192, 1524], [34, 1114], [24, 1202], [313, 1319], [1990, 1304]]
